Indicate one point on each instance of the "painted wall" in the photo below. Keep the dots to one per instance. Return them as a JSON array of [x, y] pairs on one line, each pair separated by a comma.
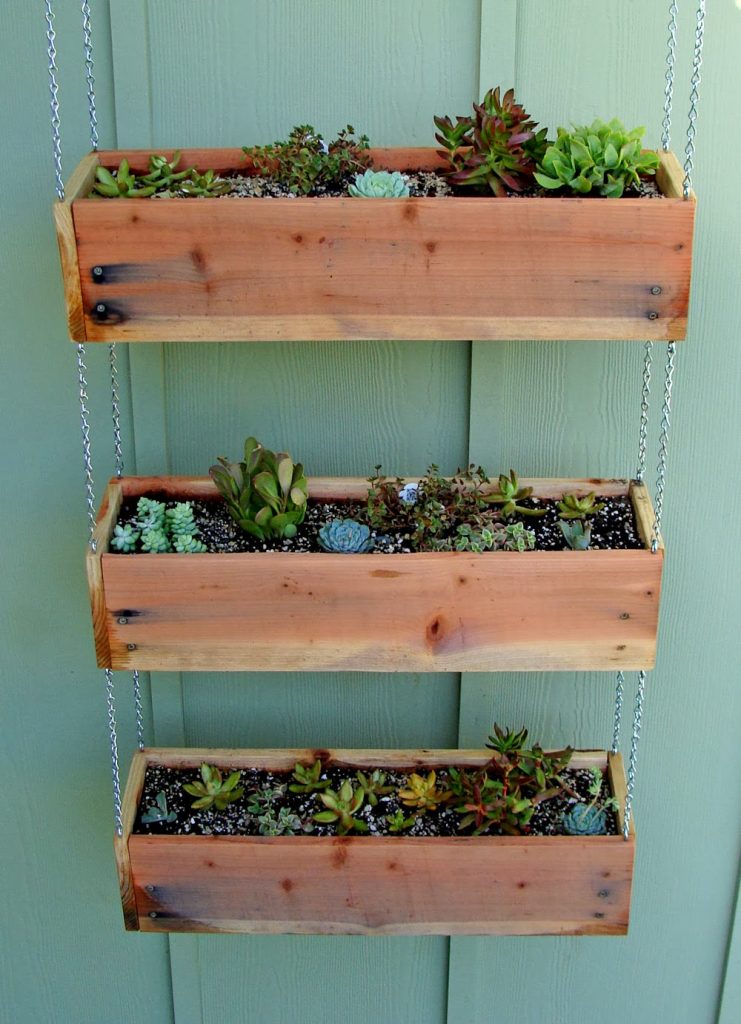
[[223, 72]]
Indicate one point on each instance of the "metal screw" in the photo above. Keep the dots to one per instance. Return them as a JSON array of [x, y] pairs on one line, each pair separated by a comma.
[[130, 647], [596, 915], [97, 271], [150, 888], [624, 615], [122, 620], [656, 290], [102, 308], [153, 913], [603, 893], [653, 315]]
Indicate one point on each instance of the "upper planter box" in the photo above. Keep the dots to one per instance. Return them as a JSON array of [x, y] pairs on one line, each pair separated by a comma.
[[425, 612], [336, 268]]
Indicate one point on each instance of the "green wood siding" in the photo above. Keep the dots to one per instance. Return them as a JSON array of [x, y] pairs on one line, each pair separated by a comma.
[[228, 72]]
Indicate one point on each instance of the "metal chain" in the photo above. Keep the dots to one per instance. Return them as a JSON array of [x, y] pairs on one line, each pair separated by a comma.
[[666, 124], [115, 410], [111, 702], [86, 448], [138, 710], [689, 151], [645, 399], [663, 445], [618, 711], [87, 41], [56, 137], [633, 760]]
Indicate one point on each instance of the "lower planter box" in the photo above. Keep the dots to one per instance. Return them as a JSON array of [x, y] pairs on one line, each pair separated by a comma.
[[485, 885], [424, 612], [321, 268]]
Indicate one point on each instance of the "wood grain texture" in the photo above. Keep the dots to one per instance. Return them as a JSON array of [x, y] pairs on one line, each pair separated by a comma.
[[402, 268], [429, 611], [350, 885]]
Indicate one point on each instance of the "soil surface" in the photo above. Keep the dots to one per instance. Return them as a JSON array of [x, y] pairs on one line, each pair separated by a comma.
[[613, 527], [237, 820]]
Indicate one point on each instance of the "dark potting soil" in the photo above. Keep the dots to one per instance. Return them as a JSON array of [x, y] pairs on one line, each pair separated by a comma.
[[237, 820], [613, 527]]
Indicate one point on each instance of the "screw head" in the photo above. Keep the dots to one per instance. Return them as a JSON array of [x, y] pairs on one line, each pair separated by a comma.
[[122, 620], [152, 913], [130, 647], [624, 615], [603, 893], [656, 290], [97, 271], [101, 307], [149, 888], [653, 315]]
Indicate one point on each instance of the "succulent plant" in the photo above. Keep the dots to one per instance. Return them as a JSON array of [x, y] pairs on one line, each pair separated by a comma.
[[373, 785], [379, 185], [264, 799], [422, 792], [162, 172], [213, 790], [151, 514], [584, 820], [155, 542], [571, 507], [517, 538], [507, 741], [286, 823], [159, 812], [308, 779], [398, 823], [508, 496], [124, 538], [179, 519], [206, 184], [409, 493], [577, 534], [497, 149], [121, 184], [305, 161], [342, 807], [345, 536], [185, 544], [266, 494], [603, 157]]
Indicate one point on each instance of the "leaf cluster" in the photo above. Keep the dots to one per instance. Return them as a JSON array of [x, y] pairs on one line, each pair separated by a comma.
[[304, 161], [345, 536], [265, 494], [159, 812], [379, 185], [162, 178], [496, 149], [603, 157], [341, 808], [213, 790], [159, 529]]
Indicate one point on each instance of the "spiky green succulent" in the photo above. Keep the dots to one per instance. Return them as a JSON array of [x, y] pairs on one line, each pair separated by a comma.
[[206, 184], [308, 778], [497, 149], [510, 494], [373, 785], [345, 536], [577, 534], [124, 538], [265, 494], [341, 808], [121, 183], [572, 507], [603, 157], [397, 822], [379, 185], [163, 173], [213, 790]]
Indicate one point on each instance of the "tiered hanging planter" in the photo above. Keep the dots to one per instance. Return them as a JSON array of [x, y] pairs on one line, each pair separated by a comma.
[[484, 885], [343, 268], [426, 612]]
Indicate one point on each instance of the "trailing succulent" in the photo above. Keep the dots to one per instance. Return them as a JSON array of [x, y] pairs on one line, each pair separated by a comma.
[[495, 150], [305, 162], [213, 790], [601, 157], [159, 530], [121, 183], [162, 178], [345, 536], [379, 185], [265, 494]]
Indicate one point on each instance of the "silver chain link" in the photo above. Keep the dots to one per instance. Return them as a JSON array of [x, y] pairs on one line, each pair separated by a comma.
[[689, 151], [115, 774], [87, 42], [56, 137], [633, 760], [619, 689], [663, 445], [86, 448], [666, 124], [645, 400], [138, 711], [115, 410]]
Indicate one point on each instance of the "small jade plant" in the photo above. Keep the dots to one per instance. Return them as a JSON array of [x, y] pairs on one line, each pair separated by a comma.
[[159, 812], [121, 183], [589, 819], [213, 790], [379, 185], [345, 536], [497, 149], [577, 535], [265, 494], [602, 157], [304, 162], [159, 529], [341, 808], [162, 178]]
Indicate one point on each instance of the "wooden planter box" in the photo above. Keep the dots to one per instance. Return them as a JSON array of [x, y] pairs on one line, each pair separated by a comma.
[[486, 885], [423, 612], [454, 268]]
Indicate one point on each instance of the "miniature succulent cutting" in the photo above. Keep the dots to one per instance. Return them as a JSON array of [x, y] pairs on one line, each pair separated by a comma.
[[342, 807], [577, 534], [345, 536], [213, 790], [589, 819], [573, 507], [510, 494], [379, 185]]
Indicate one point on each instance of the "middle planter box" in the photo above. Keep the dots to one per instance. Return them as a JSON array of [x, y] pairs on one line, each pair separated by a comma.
[[423, 612]]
